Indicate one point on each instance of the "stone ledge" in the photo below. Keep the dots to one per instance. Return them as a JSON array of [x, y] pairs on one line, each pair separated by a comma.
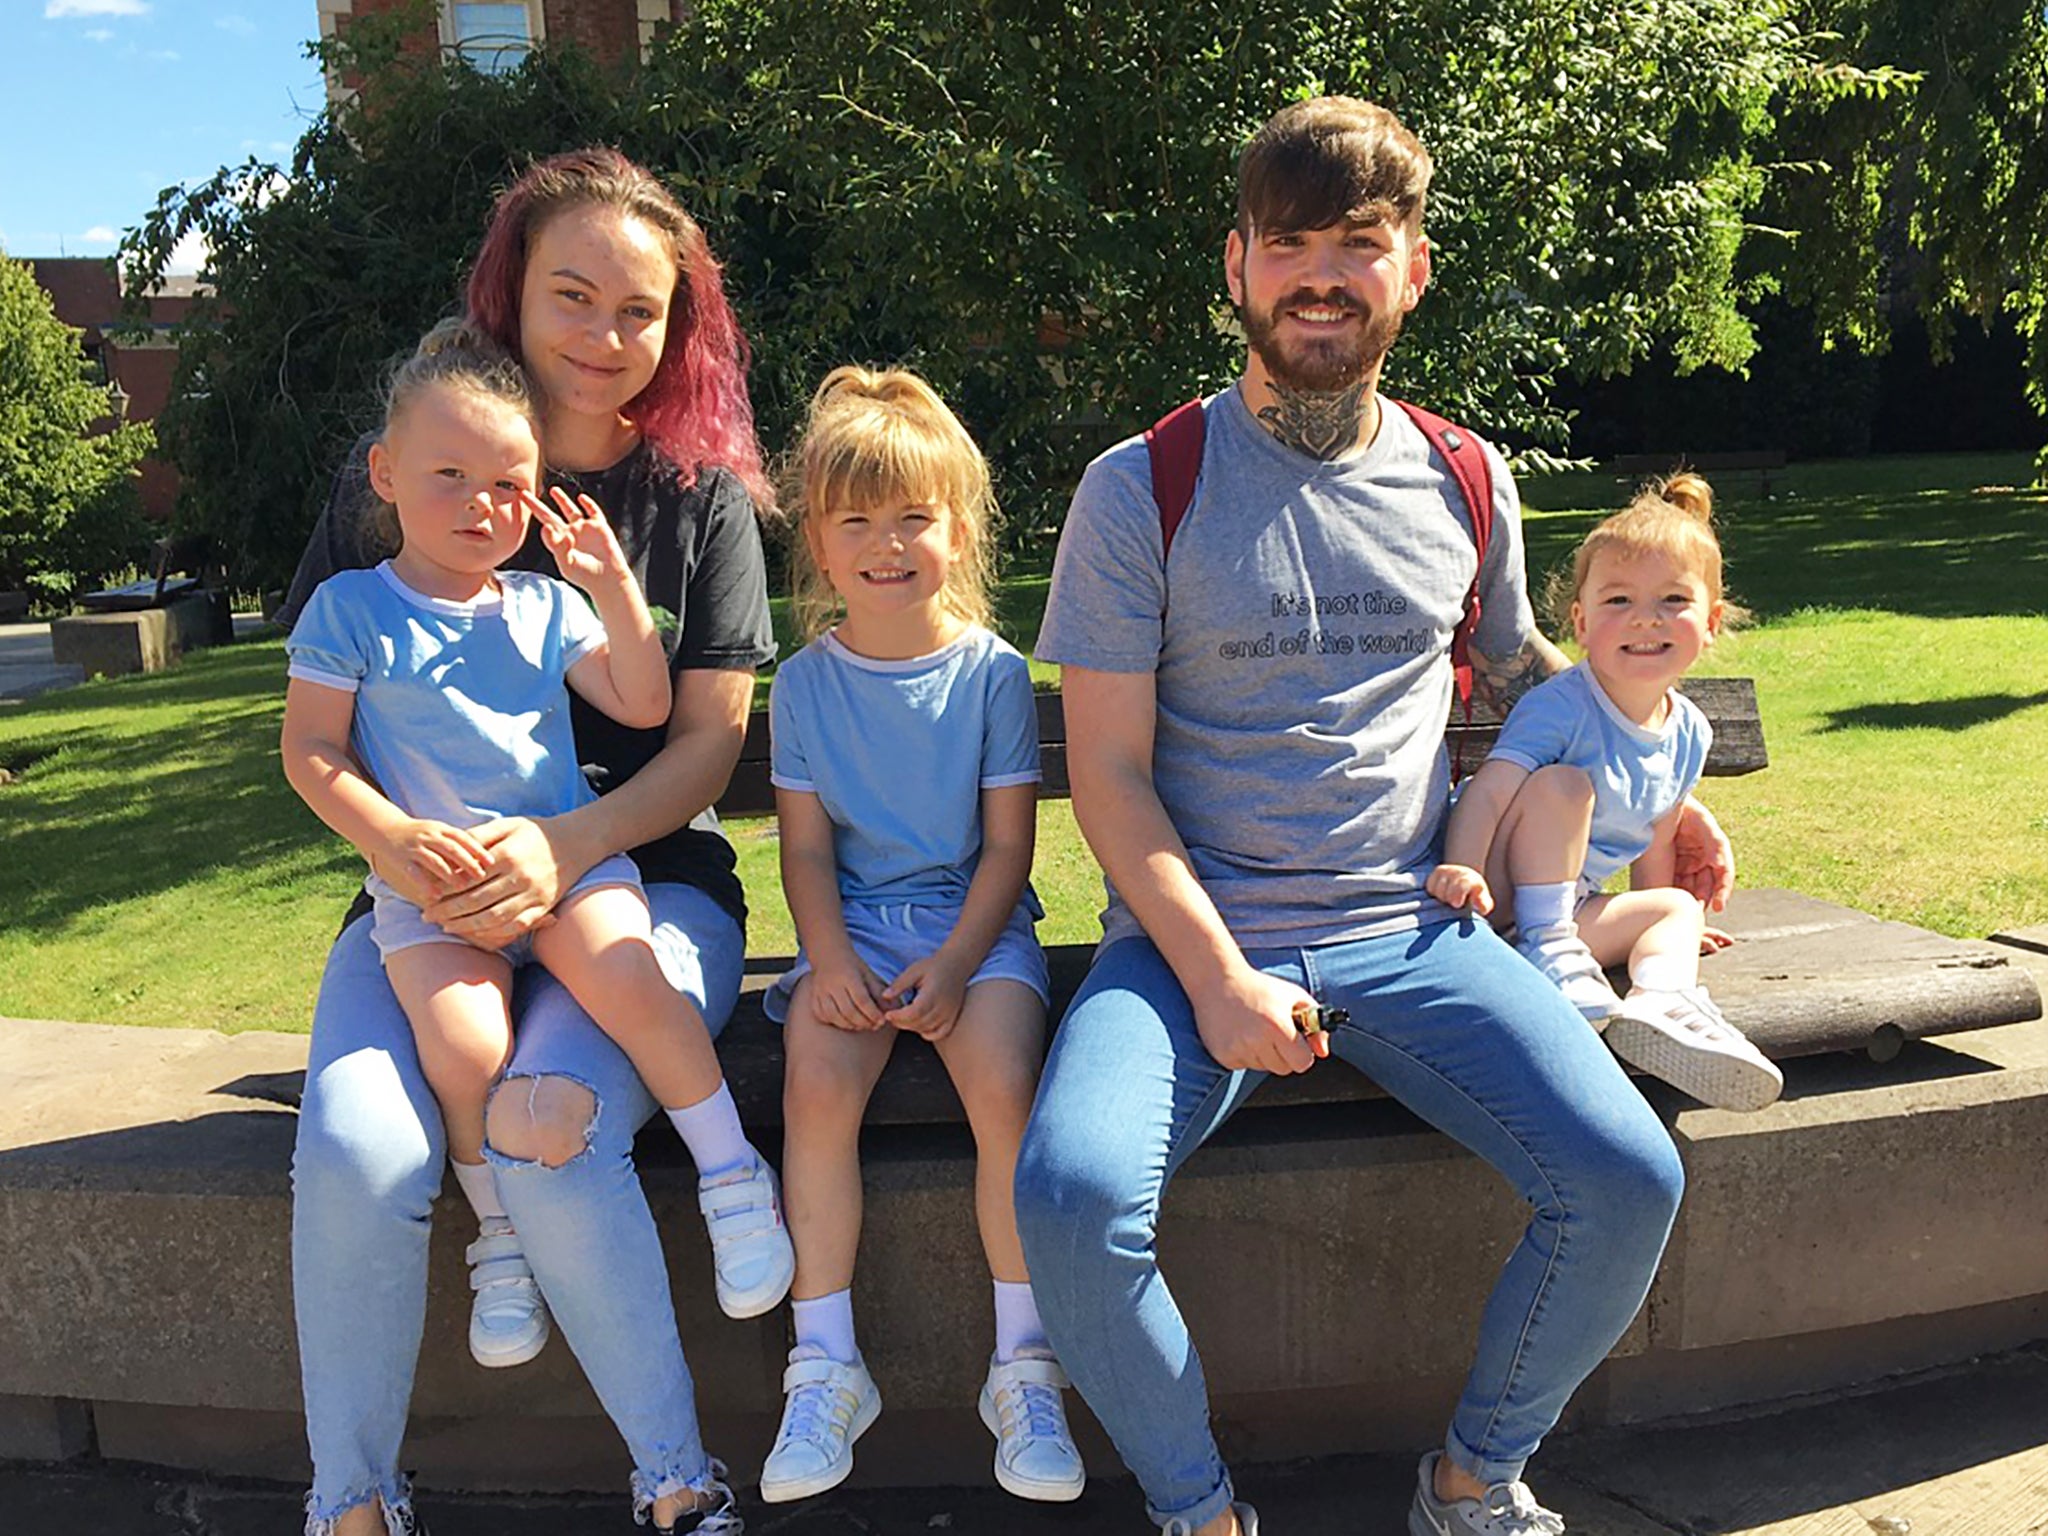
[[142, 640]]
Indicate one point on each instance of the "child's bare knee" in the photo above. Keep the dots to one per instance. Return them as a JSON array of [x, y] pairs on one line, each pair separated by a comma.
[[1560, 784], [545, 1120]]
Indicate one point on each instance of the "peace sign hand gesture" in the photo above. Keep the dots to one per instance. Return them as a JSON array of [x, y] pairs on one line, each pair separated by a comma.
[[580, 538]]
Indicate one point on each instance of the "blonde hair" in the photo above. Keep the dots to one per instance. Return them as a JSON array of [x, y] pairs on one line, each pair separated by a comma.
[[456, 354], [876, 437], [1673, 517]]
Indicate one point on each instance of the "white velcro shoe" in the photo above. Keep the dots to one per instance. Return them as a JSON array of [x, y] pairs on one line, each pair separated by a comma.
[[1681, 1037], [750, 1248], [508, 1321], [827, 1405], [1561, 955], [1020, 1404]]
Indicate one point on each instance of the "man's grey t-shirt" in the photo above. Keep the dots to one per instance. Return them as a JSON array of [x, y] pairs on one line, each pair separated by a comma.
[[1300, 636]]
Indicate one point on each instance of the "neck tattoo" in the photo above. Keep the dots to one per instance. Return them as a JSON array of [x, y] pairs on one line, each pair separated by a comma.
[[1323, 426]]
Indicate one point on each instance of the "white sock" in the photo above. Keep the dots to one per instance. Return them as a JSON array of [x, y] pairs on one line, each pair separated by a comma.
[[1017, 1324], [711, 1129], [826, 1322], [480, 1187], [1664, 973], [1544, 906]]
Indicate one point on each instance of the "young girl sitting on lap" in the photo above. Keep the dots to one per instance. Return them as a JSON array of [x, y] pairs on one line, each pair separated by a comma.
[[426, 698], [906, 767], [1588, 776]]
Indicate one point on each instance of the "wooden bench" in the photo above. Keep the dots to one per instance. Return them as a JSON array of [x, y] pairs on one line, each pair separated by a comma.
[[1754, 467], [1806, 976]]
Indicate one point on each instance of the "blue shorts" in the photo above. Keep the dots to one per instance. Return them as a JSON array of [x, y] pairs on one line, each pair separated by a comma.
[[397, 924], [888, 936]]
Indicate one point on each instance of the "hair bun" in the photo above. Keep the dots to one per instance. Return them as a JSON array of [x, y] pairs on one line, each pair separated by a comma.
[[1690, 494]]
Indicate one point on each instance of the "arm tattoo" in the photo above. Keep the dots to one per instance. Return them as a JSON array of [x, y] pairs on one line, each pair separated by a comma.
[[1323, 426], [1502, 683]]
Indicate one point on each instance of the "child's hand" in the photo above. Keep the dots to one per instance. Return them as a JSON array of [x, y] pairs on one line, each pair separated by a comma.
[[936, 989], [1714, 940], [847, 996], [436, 855], [1456, 885], [580, 538]]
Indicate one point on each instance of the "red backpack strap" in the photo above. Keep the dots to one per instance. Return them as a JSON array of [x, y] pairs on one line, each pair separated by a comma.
[[1174, 442], [1466, 461]]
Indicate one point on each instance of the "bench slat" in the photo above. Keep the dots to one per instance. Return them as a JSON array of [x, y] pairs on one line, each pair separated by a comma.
[[1729, 704]]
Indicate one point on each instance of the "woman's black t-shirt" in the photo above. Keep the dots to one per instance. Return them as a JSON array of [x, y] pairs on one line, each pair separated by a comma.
[[696, 552]]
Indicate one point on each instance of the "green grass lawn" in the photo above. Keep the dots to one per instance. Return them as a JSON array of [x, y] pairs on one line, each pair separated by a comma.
[[161, 872]]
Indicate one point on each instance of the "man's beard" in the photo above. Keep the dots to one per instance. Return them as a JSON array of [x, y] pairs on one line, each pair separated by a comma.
[[1320, 366]]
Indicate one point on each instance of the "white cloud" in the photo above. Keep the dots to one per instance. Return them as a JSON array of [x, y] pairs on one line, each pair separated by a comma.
[[54, 9], [188, 256], [99, 34], [241, 26], [99, 234]]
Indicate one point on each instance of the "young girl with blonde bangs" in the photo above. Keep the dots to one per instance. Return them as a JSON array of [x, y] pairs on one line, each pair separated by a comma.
[[1589, 776], [905, 764]]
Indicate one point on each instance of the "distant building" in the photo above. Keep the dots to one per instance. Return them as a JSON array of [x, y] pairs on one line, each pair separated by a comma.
[[495, 37], [138, 359]]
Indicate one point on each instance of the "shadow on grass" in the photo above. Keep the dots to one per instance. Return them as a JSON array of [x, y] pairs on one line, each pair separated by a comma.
[[135, 788], [1940, 538], [1933, 714]]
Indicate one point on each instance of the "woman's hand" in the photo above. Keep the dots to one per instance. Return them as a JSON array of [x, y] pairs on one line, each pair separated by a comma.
[[527, 872]]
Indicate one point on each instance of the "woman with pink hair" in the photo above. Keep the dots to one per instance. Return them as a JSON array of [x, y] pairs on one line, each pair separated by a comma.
[[605, 291]]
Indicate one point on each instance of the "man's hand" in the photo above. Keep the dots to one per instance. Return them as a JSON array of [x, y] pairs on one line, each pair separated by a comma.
[[1249, 1023], [1705, 862], [1457, 885]]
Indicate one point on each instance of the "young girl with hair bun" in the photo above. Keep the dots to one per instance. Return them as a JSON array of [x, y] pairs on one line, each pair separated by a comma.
[[905, 763], [1588, 777]]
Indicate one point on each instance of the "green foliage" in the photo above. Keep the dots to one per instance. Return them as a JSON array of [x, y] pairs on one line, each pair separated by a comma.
[[1932, 185], [1026, 199], [68, 512]]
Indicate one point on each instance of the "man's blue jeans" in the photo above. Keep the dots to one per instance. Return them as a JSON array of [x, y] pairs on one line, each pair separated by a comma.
[[1455, 1025]]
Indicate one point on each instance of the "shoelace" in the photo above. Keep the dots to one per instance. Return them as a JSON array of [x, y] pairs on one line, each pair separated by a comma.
[[818, 1411], [1036, 1403], [721, 1519], [1520, 1515]]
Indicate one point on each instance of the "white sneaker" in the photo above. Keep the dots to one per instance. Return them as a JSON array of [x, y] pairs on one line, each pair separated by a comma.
[[1681, 1037], [750, 1249], [1020, 1404], [508, 1321], [1561, 955], [827, 1405], [718, 1516], [1508, 1509]]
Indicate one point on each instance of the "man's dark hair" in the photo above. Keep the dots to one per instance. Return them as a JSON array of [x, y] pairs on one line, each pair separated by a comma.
[[1332, 160]]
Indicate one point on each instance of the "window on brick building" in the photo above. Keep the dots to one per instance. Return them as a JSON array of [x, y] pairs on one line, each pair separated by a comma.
[[490, 38]]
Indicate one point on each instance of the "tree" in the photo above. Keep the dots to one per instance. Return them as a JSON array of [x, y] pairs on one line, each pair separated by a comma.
[[1024, 198], [68, 511], [1931, 189]]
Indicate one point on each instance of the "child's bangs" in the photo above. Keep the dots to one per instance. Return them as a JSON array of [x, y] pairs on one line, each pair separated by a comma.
[[894, 466]]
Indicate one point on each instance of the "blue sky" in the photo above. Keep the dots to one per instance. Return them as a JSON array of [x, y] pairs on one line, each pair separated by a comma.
[[105, 102]]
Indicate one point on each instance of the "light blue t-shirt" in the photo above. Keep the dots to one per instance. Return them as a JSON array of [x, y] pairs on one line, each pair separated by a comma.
[[898, 753], [461, 713], [1638, 774]]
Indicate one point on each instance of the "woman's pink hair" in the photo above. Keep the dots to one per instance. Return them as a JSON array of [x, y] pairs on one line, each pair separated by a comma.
[[695, 408]]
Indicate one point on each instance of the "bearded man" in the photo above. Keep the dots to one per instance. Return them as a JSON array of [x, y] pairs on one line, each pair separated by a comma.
[[1256, 701]]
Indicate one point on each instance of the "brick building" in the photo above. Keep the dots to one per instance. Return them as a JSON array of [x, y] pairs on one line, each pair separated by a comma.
[[497, 36], [137, 359]]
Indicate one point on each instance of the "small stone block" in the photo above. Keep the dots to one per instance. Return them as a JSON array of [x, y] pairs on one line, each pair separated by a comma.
[[114, 644], [43, 1428], [13, 607]]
